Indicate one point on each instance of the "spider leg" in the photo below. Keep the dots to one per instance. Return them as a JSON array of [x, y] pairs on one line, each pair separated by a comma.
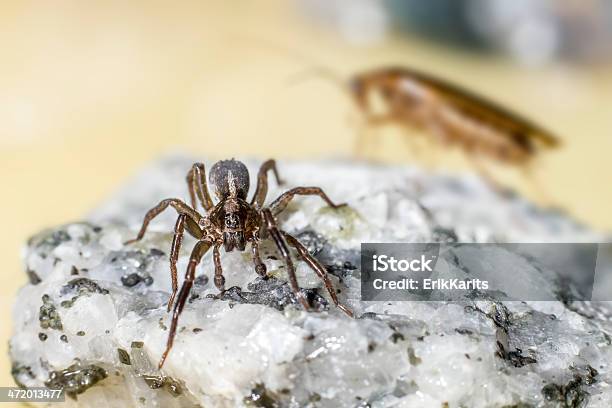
[[219, 278], [196, 181], [262, 182], [281, 202], [260, 267], [196, 256], [179, 228], [319, 269], [177, 240], [177, 204], [282, 247]]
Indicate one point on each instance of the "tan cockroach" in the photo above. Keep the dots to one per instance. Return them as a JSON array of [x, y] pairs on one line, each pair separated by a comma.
[[451, 115], [444, 112]]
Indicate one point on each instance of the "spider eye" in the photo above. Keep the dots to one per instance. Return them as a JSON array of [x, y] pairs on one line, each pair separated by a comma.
[[232, 220]]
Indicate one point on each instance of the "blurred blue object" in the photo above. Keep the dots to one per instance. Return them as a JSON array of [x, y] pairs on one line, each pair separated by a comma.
[[532, 32]]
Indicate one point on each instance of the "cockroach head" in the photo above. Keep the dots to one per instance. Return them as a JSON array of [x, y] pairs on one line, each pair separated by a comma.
[[230, 179]]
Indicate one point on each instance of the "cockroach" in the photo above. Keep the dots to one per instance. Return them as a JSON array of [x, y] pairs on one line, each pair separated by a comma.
[[447, 113], [453, 116]]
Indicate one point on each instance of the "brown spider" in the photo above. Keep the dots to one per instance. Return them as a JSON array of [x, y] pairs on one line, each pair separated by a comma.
[[232, 223]]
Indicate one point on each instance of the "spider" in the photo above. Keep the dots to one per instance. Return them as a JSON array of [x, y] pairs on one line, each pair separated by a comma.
[[232, 223]]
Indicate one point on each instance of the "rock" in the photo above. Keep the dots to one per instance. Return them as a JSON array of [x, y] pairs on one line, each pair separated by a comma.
[[93, 319]]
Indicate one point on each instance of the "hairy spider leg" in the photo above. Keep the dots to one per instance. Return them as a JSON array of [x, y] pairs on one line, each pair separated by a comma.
[[260, 267], [177, 240], [281, 202], [196, 256], [259, 197], [319, 270], [196, 181], [219, 278], [180, 206], [187, 218], [284, 250]]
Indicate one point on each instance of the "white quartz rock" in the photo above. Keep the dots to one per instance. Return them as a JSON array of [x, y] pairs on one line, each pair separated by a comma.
[[93, 318]]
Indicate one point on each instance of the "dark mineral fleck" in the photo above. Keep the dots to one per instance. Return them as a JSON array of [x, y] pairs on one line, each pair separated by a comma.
[[130, 280], [48, 316], [135, 265], [274, 293], [21, 373], [444, 235], [76, 379], [201, 280], [341, 270], [124, 356], [137, 344], [313, 241], [570, 395], [33, 277], [262, 397], [82, 286], [169, 384]]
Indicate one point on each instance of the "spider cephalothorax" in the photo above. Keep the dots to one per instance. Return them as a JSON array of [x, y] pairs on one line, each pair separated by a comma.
[[232, 223]]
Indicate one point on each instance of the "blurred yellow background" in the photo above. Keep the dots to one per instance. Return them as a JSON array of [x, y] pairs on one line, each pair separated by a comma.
[[90, 91]]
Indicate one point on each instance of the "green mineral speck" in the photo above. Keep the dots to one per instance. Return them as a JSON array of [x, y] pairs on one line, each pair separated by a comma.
[[82, 287], [173, 387], [76, 379], [314, 397], [48, 316], [412, 357], [80, 333], [169, 384], [68, 303], [124, 356], [153, 381]]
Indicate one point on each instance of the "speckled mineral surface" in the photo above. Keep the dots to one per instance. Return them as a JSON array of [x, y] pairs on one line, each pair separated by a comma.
[[93, 318]]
